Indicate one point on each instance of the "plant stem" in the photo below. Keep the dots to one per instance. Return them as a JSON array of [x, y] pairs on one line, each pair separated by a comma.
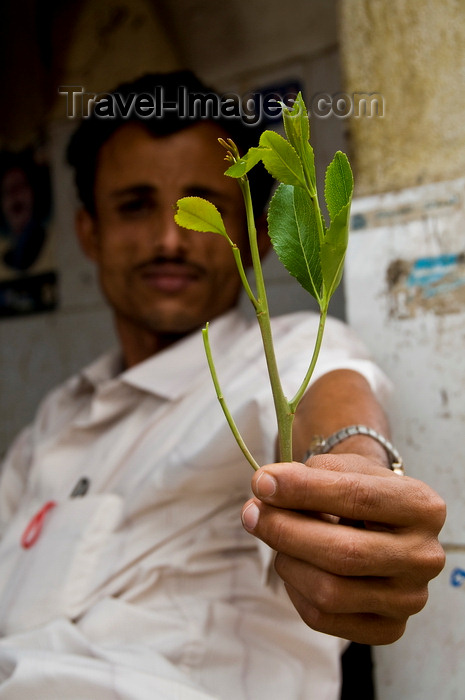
[[220, 396], [319, 219], [309, 178], [321, 326], [243, 276], [284, 416]]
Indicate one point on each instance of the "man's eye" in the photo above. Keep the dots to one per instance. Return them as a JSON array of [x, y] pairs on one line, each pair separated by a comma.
[[133, 207]]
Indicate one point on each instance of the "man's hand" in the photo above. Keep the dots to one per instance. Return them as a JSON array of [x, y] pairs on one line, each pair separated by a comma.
[[356, 544]]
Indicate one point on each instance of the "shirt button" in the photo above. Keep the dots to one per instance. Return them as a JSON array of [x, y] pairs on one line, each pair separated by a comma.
[[81, 488]]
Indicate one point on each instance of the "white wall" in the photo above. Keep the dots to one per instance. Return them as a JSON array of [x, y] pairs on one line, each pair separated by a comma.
[[405, 288]]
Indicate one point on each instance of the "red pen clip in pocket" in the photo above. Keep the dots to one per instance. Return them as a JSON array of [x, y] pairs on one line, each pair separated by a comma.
[[35, 525]]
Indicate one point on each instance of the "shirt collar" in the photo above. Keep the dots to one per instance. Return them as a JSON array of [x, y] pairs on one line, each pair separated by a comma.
[[170, 373], [103, 369]]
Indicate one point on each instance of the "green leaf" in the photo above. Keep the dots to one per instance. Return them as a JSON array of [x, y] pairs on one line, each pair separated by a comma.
[[198, 214], [339, 184], [293, 231], [296, 122], [281, 159], [246, 163], [333, 250], [297, 127]]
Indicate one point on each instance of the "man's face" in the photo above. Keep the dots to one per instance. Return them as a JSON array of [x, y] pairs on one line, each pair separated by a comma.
[[158, 277]]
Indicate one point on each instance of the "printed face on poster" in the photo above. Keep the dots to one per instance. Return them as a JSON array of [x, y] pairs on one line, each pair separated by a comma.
[[28, 280]]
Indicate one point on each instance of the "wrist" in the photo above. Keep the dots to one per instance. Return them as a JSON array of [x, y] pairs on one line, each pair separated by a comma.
[[365, 447], [357, 439]]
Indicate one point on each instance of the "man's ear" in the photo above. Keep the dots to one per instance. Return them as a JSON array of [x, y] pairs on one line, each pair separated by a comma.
[[86, 230], [263, 239]]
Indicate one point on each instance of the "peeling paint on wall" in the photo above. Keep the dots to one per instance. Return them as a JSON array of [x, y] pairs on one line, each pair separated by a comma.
[[432, 283]]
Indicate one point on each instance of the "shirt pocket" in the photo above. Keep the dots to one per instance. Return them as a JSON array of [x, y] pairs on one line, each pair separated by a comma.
[[56, 576]]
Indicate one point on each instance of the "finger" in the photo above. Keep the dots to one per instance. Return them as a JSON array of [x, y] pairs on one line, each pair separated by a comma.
[[364, 628], [343, 550], [331, 594], [347, 462], [393, 500]]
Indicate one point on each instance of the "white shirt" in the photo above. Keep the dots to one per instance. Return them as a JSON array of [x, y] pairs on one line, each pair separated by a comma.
[[148, 586]]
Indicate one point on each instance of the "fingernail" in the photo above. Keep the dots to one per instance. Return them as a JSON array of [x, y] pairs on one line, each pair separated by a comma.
[[266, 485], [250, 516]]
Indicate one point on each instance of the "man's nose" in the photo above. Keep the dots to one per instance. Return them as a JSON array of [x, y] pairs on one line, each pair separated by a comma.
[[171, 239]]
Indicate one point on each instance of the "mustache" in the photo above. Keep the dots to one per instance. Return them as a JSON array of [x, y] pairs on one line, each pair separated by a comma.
[[160, 262]]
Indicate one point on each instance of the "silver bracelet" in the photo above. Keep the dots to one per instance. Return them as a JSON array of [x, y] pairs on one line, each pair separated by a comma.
[[321, 445]]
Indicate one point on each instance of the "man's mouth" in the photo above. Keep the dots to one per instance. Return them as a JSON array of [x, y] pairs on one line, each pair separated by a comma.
[[170, 277]]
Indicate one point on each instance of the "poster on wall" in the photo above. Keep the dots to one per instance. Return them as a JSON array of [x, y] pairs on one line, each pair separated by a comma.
[[28, 278]]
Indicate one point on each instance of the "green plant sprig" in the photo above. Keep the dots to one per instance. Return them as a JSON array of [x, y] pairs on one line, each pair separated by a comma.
[[311, 251]]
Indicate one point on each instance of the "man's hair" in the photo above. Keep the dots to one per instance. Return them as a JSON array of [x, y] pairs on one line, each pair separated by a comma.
[[95, 130]]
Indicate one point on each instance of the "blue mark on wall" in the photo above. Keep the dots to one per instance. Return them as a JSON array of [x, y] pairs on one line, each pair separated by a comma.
[[434, 284], [358, 221], [457, 577], [437, 275]]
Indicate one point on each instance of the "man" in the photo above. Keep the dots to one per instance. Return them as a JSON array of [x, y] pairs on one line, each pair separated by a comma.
[[125, 569]]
